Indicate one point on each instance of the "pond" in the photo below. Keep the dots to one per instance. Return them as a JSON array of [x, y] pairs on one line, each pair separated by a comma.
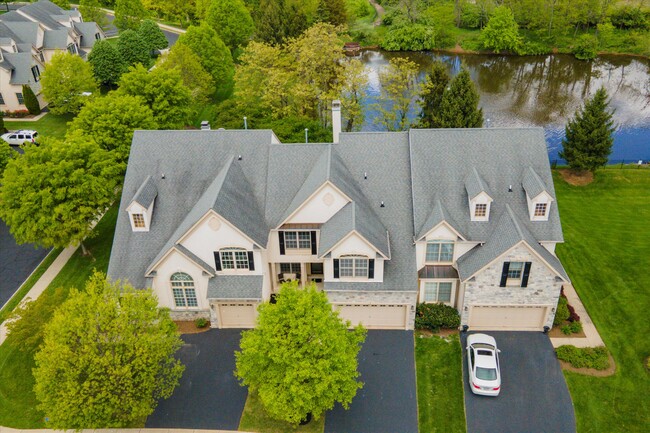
[[542, 91]]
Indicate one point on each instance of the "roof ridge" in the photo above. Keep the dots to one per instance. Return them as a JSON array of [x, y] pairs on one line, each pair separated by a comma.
[[515, 222]]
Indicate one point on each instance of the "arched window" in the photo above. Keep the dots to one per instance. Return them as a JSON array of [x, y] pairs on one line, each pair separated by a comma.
[[183, 290]]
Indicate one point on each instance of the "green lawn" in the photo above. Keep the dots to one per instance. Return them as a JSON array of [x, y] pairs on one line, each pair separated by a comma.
[[50, 125], [254, 418], [607, 255], [439, 371], [17, 401]]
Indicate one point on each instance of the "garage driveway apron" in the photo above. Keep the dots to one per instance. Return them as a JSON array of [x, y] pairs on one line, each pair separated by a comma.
[[534, 396], [208, 396]]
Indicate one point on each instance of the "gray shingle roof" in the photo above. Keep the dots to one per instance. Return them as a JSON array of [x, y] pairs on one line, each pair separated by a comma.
[[437, 216], [196, 259], [508, 232], [474, 184], [56, 39], [43, 11], [146, 194], [532, 184], [24, 31], [442, 159], [236, 287], [88, 31], [22, 68]]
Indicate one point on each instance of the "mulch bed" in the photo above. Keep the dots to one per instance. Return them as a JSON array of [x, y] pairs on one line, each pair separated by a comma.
[[556, 332], [187, 327], [576, 178], [591, 371]]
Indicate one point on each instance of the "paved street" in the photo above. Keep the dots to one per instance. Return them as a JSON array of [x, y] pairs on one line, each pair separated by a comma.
[[16, 263], [534, 396]]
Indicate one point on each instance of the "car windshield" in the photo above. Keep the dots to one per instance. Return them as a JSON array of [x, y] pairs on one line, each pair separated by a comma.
[[486, 373]]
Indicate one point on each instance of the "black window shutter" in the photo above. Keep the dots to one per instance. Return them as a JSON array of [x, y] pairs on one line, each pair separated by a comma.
[[281, 238], [371, 269], [251, 261], [336, 268], [504, 274], [314, 251], [217, 261], [524, 278]]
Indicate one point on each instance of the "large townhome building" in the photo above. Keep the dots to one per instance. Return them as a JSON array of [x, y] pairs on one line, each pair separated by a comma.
[[29, 37], [214, 221]]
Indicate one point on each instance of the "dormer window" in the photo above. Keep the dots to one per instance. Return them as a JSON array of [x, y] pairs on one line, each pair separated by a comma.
[[540, 209], [138, 221], [478, 195], [480, 210]]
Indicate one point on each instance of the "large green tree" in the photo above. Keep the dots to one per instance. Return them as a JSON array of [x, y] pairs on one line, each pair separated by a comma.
[[399, 87], [163, 92], [195, 77], [152, 36], [232, 22], [459, 105], [106, 62], [91, 12], [111, 120], [53, 192], [133, 49], [6, 154], [332, 11], [353, 94], [107, 357], [129, 14], [278, 21], [66, 82], [214, 54], [588, 136], [433, 89], [301, 358], [502, 31]]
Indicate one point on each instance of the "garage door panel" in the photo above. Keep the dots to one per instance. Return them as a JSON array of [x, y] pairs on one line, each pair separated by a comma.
[[374, 316], [508, 317], [237, 315]]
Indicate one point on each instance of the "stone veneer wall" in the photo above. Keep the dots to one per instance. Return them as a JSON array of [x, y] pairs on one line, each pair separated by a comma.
[[543, 289], [189, 315], [376, 298]]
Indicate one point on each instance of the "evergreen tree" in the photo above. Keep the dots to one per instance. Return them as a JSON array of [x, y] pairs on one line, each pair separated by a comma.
[[277, 21], [459, 104], [232, 22], [433, 89], [31, 102], [152, 36], [133, 49], [588, 136], [107, 63], [332, 11], [3, 129]]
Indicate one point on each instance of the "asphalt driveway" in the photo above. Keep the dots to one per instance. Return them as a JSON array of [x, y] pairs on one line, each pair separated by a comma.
[[534, 396], [17, 262], [208, 396], [388, 401]]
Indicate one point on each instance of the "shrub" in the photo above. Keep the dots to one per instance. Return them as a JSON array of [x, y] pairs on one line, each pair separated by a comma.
[[586, 48], [201, 322], [629, 17], [575, 327], [31, 102], [3, 129], [587, 357], [566, 330], [562, 312], [573, 316], [414, 37], [18, 114], [436, 316], [530, 48]]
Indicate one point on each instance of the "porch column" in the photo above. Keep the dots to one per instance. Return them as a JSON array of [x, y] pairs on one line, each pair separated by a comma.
[[303, 274]]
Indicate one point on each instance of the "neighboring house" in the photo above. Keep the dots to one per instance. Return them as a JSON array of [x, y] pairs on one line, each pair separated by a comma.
[[29, 37], [214, 222]]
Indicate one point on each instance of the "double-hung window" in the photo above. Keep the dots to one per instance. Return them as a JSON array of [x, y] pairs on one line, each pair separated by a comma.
[[440, 251], [234, 258], [353, 267], [514, 272], [297, 240], [183, 290], [19, 96], [437, 292]]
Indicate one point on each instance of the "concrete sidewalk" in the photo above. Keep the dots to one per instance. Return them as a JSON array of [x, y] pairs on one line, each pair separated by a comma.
[[43, 283], [592, 337]]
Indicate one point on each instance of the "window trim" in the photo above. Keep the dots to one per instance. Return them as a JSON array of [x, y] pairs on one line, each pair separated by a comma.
[[20, 97], [536, 214], [515, 281], [439, 242], [452, 293], [484, 210], [232, 252], [355, 258], [183, 285], [305, 241], [36, 73]]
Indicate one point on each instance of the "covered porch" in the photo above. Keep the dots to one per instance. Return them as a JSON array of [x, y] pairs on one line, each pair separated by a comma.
[[306, 272]]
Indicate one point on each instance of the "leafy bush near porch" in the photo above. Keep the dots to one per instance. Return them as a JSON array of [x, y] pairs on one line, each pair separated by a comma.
[[436, 316], [587, 357], [562, 312]]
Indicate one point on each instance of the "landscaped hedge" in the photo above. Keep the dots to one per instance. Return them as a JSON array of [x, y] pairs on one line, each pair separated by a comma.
[[588, 357], [436, 316], [562, 312]]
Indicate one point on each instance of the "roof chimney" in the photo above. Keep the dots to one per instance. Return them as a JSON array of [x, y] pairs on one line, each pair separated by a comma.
[[336, 119]]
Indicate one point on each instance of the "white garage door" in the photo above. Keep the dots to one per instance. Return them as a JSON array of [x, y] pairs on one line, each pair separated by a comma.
[[374, 316], [508, 317], [237, 315]]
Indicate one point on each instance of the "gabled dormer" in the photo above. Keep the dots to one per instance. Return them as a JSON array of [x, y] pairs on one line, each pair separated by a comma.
[[537, 195], [141, 207], [478, 197]]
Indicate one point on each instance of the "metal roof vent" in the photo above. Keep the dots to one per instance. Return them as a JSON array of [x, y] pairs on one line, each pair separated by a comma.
[[205, 125], [509, 188], [239, 158], [365, 175], [382, 204]]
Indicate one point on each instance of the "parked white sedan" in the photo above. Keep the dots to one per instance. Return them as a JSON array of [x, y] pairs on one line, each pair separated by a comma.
[[483, 365]]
